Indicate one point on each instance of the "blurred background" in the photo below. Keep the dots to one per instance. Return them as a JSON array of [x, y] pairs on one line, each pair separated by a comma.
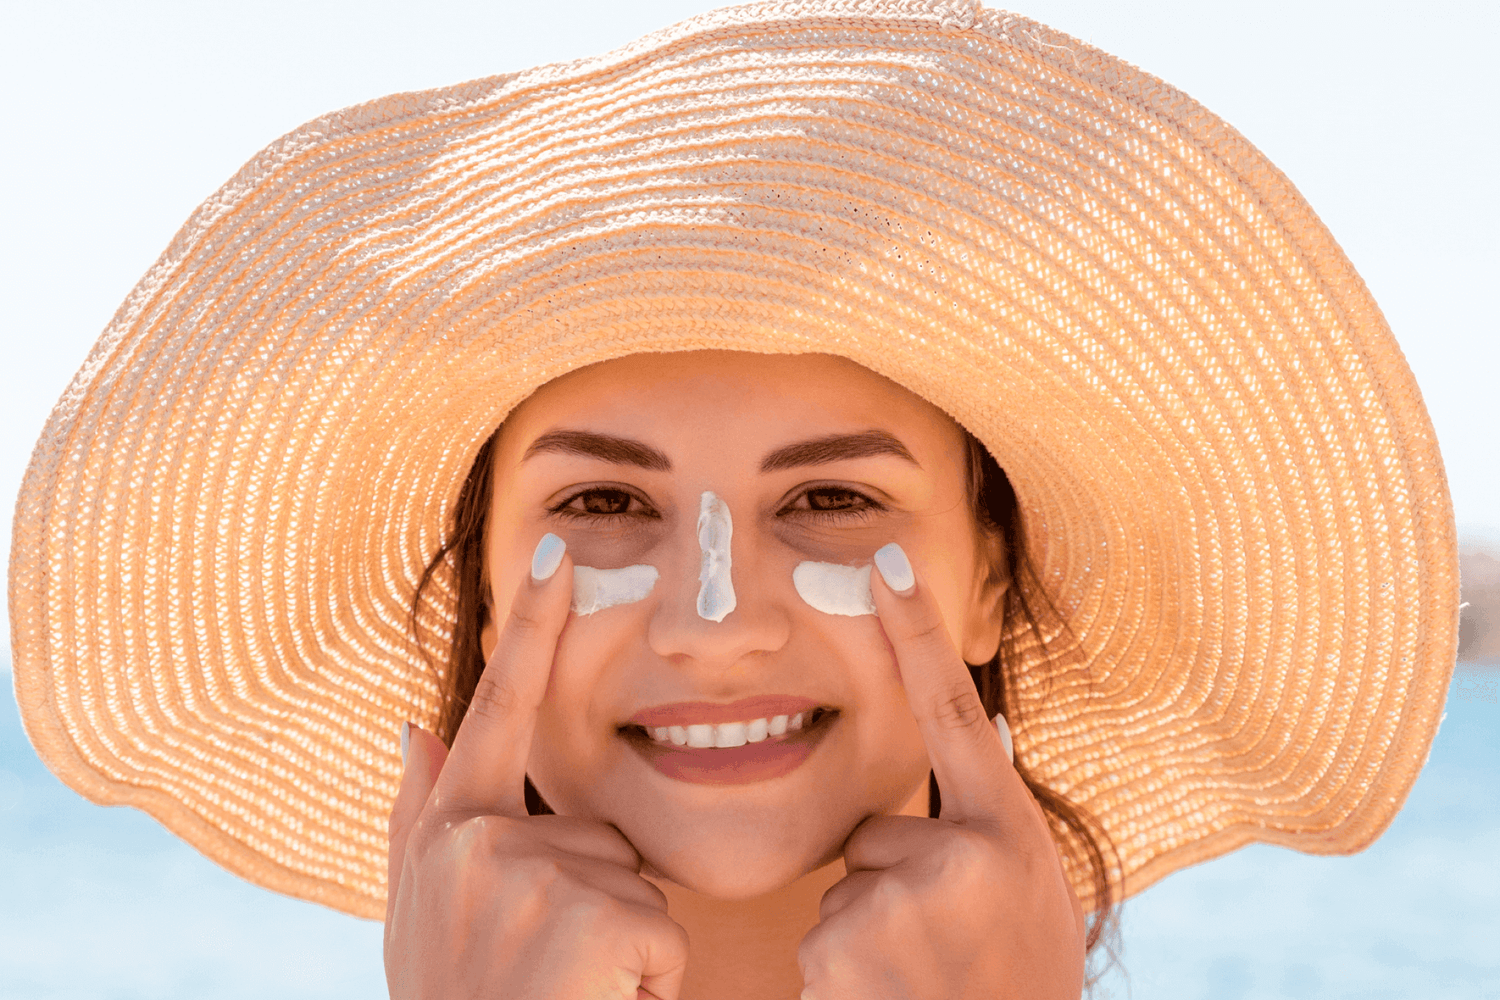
[[123, 116]]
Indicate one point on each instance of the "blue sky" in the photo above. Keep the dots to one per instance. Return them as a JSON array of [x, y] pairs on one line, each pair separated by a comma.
[[124, 116]]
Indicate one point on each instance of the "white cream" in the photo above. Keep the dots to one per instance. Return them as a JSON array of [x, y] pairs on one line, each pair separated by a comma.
[[834, 589], [597, 589], [715, 589]]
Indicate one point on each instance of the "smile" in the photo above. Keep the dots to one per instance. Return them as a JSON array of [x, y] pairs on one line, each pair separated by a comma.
[[732, 758], [729, 734]]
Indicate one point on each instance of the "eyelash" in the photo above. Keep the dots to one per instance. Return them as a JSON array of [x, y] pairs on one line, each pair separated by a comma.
[[564, 509], [870, 506]]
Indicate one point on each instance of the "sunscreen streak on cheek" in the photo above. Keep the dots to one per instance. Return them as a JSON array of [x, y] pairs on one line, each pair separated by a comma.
[[834, 589], [715, 589], [597, 589]]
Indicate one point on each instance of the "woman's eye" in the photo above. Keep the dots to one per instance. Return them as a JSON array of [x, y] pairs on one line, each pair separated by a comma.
[[833, 501], [603, 503]]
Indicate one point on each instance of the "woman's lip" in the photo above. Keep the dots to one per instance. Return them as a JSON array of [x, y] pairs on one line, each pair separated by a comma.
[[687, 713], [770, 758]]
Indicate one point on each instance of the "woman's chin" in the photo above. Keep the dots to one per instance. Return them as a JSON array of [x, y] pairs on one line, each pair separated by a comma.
[[715, 875]]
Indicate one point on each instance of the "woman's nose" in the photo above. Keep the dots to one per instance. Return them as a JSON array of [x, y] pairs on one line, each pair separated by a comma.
[[715, 610]]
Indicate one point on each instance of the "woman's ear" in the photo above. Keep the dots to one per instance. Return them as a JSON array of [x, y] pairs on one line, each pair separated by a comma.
[[985, 619]]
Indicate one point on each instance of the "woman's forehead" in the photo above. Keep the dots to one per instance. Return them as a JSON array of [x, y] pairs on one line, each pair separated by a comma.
[[730, 409], [728, 387]]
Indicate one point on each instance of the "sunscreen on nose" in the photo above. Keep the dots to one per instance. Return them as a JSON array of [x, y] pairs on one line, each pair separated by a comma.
[[597, 589], [715, 589], [834, 589]]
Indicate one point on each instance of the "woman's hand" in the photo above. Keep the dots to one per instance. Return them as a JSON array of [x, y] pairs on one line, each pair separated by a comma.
[[971, 905], [486, 901]]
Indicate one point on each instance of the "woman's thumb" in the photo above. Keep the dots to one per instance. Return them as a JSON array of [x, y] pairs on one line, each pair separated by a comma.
[[423, 755]]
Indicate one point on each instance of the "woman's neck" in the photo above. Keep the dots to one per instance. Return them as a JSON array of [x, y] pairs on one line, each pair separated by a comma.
[[748, 948]]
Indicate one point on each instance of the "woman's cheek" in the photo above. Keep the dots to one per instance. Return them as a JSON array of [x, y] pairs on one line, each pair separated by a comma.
[[609, 548], [610, 608], [808, 540]]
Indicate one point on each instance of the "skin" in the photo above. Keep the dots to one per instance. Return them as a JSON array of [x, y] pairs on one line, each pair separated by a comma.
[[797, 886]]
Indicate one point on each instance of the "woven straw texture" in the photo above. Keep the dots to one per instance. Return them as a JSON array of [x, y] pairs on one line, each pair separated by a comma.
[[1234, 490]]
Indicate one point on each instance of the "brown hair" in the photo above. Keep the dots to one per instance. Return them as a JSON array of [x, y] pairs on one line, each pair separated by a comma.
[[997, 513]]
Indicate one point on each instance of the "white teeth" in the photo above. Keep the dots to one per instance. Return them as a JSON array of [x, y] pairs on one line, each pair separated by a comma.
[[728, 734], [731, 734]]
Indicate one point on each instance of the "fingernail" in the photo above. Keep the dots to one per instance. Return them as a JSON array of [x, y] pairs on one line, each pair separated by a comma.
[[1004, 729], [547, 557], [405, 742], [895, 569]]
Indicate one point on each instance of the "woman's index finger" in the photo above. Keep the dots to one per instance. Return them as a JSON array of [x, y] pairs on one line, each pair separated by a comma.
[[965, 749], [486, 769]]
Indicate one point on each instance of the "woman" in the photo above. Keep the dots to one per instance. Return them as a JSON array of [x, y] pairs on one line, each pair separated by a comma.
[[820, 463], [960, 223]]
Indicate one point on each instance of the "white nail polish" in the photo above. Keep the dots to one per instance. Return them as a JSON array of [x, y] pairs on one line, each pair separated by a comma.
[[547, 557], [405, 742], [895, 568], [715, 587], [1004, 729], [597, 589], [834, 589]]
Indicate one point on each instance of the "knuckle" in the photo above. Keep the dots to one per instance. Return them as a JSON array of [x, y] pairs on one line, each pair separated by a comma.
[[524, 887], [927, 629], [535, 873], [493, 700], [485, 837], [472, 837], [967, 857], [523, 624], [890, 895], [439, 842], [589, 914], [958, 706], [678, 932], [529, 884], [811, 950], [396, 823], [826, 952], [424, 834]]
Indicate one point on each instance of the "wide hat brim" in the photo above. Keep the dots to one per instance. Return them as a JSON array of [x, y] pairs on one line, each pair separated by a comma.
[[1233, 489]]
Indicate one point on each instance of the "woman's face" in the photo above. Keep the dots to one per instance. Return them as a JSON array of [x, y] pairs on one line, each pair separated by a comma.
[[817, 459]]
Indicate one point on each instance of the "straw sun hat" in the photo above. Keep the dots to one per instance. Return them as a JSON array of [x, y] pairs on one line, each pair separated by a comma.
[[1233, 489]]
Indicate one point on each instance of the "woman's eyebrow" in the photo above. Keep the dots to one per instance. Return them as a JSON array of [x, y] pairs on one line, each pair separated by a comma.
[[836, 447], [621, 451]]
